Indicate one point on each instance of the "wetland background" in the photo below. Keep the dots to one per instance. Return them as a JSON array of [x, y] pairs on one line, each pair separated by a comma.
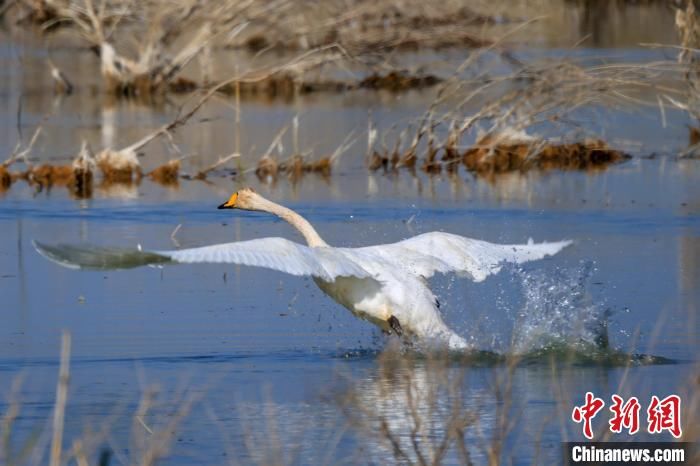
[[499, 120]]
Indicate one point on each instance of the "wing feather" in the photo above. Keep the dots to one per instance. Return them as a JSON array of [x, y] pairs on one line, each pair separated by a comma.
[[273, 253], [423, 255], [438, 252]]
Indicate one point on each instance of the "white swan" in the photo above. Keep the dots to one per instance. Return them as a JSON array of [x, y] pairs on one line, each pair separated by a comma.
[[385, 284]]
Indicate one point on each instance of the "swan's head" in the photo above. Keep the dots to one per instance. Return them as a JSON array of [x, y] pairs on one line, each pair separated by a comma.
[[245, 199]]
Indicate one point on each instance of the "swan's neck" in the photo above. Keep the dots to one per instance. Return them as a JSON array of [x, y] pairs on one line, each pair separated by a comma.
[[297, 221]]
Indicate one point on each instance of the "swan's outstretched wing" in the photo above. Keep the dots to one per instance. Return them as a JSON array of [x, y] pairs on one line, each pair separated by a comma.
[[437, 252], [273, 253]]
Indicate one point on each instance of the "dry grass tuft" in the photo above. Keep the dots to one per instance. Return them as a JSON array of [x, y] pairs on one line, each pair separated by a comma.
[[5, 179], [322, 166], [166, 174], [396, 81], [287, 84], [119, 166], [294, 167], [377, 161], [495, 154], [77, 176], [430, 164], [693, 136], [183, 85], [282, 85], [267, 168], [47, 175], [84, 167]]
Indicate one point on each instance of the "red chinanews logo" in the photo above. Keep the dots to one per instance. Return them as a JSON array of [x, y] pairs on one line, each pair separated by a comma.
[[662, 415], [624, 415]]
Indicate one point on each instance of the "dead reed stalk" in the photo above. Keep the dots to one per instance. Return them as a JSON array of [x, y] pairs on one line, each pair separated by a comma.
[[172, 35], [61, 400]]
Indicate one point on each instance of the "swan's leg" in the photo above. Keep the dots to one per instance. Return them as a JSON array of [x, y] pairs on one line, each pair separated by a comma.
[[395, 325]]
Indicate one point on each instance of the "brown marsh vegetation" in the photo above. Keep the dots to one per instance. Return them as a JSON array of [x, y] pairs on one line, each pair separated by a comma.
[[512, 97]]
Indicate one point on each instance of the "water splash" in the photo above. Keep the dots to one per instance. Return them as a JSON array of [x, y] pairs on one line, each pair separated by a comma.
[[558, 310], [552, 315]]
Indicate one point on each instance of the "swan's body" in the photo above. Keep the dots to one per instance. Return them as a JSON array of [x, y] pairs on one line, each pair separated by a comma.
[[385, 284]]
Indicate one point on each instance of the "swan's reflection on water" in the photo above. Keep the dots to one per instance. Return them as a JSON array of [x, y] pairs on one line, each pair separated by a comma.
[[478, 408], [422, 410]]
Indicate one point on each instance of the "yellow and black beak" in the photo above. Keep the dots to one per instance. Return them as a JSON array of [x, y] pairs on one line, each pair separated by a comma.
[[231, 203]]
